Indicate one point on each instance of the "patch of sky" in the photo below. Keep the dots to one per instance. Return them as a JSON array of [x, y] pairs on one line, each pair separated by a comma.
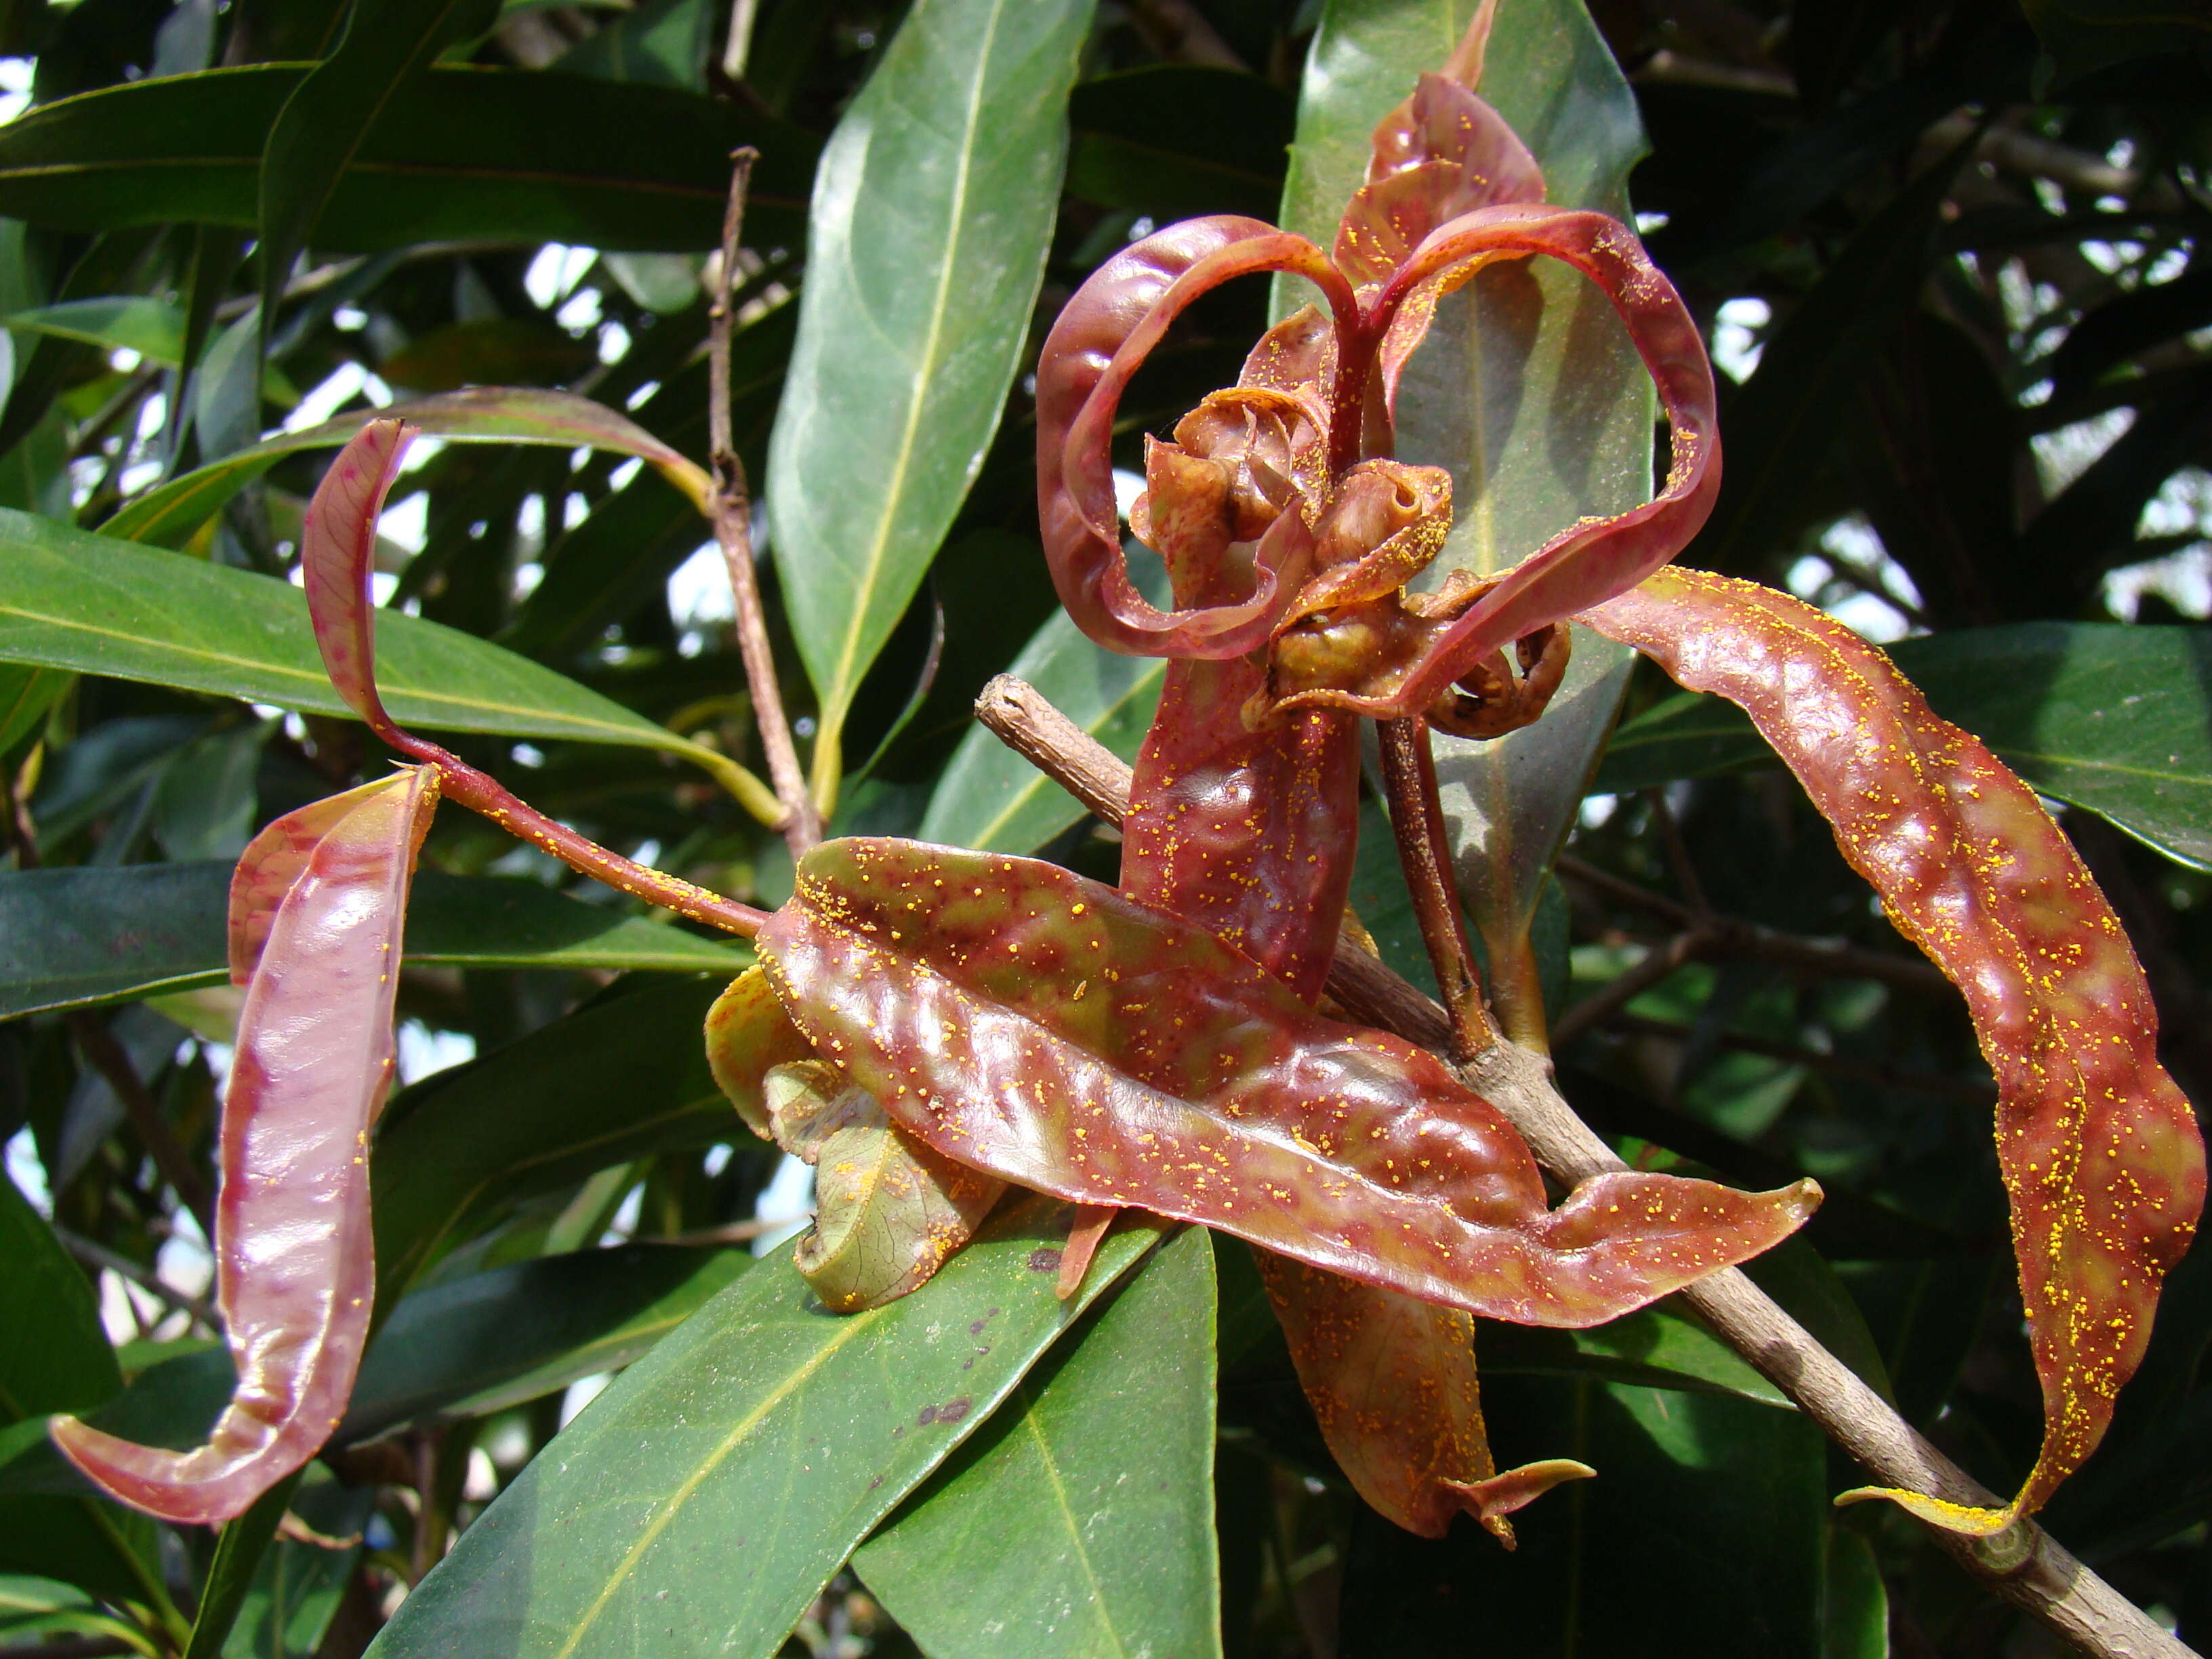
[[1735, 343]]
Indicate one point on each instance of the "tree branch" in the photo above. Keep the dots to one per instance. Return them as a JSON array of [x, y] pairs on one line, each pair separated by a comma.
[[731, 508], [2025, 1564]]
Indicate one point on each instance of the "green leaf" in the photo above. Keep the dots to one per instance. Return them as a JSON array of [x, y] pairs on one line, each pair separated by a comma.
[[621, 1080], [321, 131], [474, 1345], [240, 1550], [296, 1589], [1855, 1611], [106, 934], [1653, 1348], [1178, 139], [1079, 1522], [482, 154], [1715, 1508], [2112, 718], [989, 798], [72, 600], [168, 516], [465, 1348], [700, 1504], [57, 1358], [154, 329], [933, 211]]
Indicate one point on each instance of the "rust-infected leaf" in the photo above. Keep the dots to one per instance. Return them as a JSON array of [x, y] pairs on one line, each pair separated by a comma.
[[1052, 1031], [1392, 1385], [337, 546], [293, 1277], [2099, 1152], [748, 1035], [889, 1210], [270, 865]]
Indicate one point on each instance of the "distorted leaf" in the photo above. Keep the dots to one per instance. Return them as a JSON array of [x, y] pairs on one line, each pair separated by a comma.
[[1026, 1022], [295, 1279], [2099, 1150], [168, 514], [888, 1210]]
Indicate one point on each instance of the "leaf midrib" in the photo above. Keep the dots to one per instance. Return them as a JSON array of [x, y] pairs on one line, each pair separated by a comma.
[[840, 687]]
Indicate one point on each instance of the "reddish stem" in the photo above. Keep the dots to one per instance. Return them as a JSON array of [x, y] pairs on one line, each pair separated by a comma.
[[1409, 786]]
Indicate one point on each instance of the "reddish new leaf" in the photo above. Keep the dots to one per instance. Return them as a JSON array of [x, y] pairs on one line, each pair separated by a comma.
[[1096, 345], [748, 1036], [271, 863], [293, 1277], [1392, 1385], [2099, 1152], [1049, 1029], [337, 551]]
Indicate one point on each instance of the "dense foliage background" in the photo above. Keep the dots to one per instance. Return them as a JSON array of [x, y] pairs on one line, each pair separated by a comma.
[[1951, 257]]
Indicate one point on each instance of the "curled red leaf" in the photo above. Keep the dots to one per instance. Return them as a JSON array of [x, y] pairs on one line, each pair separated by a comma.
[[1057, 1034], [294, 1276], [1101, 336], [2100, 1151]]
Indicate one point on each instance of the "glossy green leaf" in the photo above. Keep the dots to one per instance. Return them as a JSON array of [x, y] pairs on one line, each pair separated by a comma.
[[90, 604], [476, 1343], [91, 935], [296, 1589], [1653, 1348], [320, 131], [466, 1347], [153, 328], [1855, 1611], [168, 515], [2115, 719], [25, 697], [504, 154], [989, 798], [1080, 1521], [57, 1358], [699, 1504], [931, 214], [621, 1080]]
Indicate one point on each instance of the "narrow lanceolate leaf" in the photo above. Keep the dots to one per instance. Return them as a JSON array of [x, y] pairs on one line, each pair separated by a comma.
[[321, 131], [1080, 1520], [509, 155], [932, 212], [1027, 1021], [93, 934], [294, 1276], [168, 516], [1531, 396], [701, 1502], [2099, 1150], [91, 604]]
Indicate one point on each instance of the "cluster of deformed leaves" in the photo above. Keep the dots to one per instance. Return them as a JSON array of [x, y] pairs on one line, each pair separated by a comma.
[[928, 1026]]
